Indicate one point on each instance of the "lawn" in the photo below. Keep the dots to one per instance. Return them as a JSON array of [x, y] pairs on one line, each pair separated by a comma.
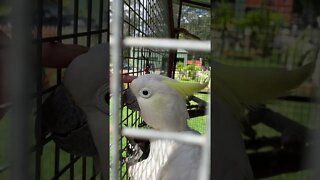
[[48, 157]]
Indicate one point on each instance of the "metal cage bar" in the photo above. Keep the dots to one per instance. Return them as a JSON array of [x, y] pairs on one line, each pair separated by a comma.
[[142, 26], [116, 50], [22, 26], [39, 139], [150, 33], [168, 44], [152, 43], [20, 76], [187, 138]]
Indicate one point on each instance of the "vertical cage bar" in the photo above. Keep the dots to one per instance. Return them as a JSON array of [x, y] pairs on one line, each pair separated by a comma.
[[56, 161], [75, 21], [72, 167], [38, 127], [21, 82], [75, 41], [59, 34], [204, 173], [84, 168], [211, 86], [100, 21], [89, 22], [93, 177], [172, 53], [116, 53], [60, 14], [108, 20], [179, 17]]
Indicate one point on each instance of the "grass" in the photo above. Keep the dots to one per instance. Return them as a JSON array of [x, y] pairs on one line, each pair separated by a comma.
[[299, 112], [199, 123], [47, 158]]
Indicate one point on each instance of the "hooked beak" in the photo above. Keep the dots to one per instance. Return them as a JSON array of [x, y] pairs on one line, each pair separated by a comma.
[[130, 100]]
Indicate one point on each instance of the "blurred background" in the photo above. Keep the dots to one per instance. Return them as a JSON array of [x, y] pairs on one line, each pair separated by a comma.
[[271, 33]]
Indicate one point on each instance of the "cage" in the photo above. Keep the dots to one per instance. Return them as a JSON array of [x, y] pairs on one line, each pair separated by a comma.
[[58, 31], [249, 33], [151, 51]]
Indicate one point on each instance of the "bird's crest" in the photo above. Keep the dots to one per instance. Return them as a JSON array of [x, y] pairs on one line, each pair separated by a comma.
[[185, 89]]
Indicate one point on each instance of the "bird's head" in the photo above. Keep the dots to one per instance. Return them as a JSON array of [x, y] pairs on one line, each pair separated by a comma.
[[162, 101]]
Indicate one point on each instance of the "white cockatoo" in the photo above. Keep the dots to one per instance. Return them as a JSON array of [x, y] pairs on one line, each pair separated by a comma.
[[77, 112], [162, 106], [234, 88]]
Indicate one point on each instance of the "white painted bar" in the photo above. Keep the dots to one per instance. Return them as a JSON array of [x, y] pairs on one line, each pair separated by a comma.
[[154, 134], [194, 45], [206, 149], [116, 54]]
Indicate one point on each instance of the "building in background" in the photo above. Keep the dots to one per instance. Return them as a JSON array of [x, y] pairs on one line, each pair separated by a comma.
[[285, 7]]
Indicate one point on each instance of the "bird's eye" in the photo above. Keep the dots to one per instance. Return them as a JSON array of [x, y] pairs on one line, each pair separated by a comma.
[[145, 92]]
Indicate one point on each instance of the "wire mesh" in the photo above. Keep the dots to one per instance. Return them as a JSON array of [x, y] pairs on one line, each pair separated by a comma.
[[86, 23], [142, 18], [193, 65], [146, 19], [78, 22]]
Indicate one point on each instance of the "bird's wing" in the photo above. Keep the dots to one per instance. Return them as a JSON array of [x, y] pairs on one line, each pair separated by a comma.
[[98, 125], [234, 87], [248, 85]]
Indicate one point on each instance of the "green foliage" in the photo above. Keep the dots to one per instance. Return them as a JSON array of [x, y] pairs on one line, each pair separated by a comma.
[[190, 67], [179, 66], [188, 72], [191, 71], [224, 15], [196, 21], [261, 19], [263, 23]]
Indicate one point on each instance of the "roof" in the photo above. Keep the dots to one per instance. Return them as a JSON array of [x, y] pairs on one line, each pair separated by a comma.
[[196, 3]]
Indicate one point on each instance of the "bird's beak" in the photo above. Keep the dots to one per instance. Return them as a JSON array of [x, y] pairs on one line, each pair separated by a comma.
[[130, 100]]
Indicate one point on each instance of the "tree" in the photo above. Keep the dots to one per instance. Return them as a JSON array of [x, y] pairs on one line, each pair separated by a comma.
[[224, 15], [191, 70], [262, 23], [196, 21]]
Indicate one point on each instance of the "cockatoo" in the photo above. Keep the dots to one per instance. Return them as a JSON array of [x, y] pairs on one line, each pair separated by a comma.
[[77, 112], [162, 106], [234, 89]]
